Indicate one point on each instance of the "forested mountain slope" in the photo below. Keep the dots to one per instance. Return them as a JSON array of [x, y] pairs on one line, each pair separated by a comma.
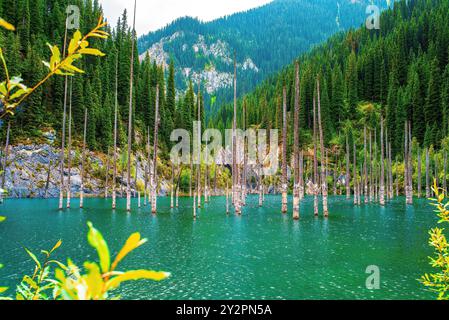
[[265, 39], [400, 71]]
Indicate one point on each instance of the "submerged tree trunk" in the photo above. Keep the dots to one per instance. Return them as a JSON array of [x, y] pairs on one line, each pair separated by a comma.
[[114, 176], [5, 161], [382, 165], [64, 116], [323, 161], [47, 183], [284, 151], [390, 165], [235, 174], [354, 179], [315, 162], [69, 153], [83, 161], [172, 204], [198, 166], [419, 174], [108, 163], [445, 173], [130, 113], [348, 175], [155, 147], [371, 167], [296, 188], [427, 173], [365, 167]]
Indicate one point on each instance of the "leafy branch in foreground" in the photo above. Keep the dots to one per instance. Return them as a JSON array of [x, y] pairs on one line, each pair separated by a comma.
[[439, 282], [98, 281], [13, 92]]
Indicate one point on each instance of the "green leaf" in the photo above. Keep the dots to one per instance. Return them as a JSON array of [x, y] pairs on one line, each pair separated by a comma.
[[38, 264], [97, 241], [136, 275], [2, 219], [3, 289]]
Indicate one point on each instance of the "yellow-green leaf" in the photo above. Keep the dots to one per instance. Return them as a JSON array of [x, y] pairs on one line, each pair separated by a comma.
[[74, 42], [136, 275], [133, 242], [2, 219], [38, 264], [92, 52], [93, 280], [3, 289], [6, 25], [57, 245], [97, 241]]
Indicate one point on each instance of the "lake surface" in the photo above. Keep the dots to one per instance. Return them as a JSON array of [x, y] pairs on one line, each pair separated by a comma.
[[260, 255]]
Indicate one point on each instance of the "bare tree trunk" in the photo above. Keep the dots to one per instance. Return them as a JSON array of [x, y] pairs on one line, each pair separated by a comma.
[[198, 166], [390, 169], [69, 153], [191, 176], [172, 204], [323, 161], [301, 176], [235, 174], [155, 147], [371, 175], [108, 163], [419, 173], [130, 114], [244, 173], [296, 188], [47, 183], [348, 174], [64, 116], [354, 179], [114, 177], [83, 161], [5, 161], [315, 161], [445, 172], [382, 165], [227, 198], [284, 152], [365, 173], [194, 205], [437, 177], [409, 192]]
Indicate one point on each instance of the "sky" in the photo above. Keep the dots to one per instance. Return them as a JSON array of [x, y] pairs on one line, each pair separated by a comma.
[[155, 14]]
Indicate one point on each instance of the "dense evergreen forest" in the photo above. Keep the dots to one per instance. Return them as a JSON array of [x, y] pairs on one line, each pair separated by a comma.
[[271, 36], [39, 22], [400, 72]]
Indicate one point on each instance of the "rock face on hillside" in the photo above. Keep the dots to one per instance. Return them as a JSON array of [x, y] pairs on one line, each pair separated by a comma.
[[29, 167]]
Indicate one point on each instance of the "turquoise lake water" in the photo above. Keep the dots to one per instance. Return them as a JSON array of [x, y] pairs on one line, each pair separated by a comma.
[[260, 255]]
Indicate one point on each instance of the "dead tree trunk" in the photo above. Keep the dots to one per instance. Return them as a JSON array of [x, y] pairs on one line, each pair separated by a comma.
[[354, 179], [365, 173], [371, 167], [47, 183], [198, 166], [69, 153], [64, 116], [296, 191], [445, 172], [323, 161], [235, 174], [172, 186], [315, 161], [390, 166], [348, 175], [5, 161], [419, 173], [130, 113], [83, 161], [155, 147], [301, 176], [114, 177], [284, 152], [108, 163], [382, 165]]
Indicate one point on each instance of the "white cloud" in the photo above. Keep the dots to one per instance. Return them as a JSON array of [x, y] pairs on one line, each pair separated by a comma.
[[154, 14]]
